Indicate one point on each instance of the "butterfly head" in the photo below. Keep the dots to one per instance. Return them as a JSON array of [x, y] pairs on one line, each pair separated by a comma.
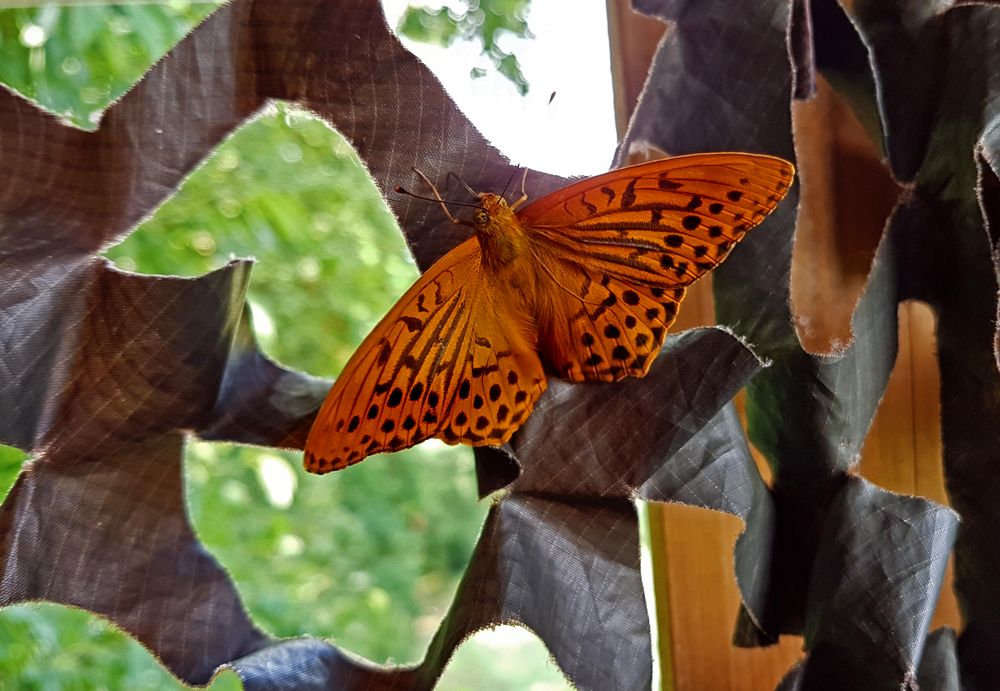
[[492, 209], [501, 235]]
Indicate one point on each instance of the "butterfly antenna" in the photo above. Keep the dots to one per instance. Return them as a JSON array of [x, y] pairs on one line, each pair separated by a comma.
[[462, 183], [509, 180], [437, 198]]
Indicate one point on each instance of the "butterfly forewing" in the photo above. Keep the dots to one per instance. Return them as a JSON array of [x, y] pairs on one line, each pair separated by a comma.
[[500, 381], [437, 365], [663, 223], [615, 252], [390, 395]]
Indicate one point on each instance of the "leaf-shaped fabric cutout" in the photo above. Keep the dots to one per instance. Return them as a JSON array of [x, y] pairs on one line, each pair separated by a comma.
[[809, 415]]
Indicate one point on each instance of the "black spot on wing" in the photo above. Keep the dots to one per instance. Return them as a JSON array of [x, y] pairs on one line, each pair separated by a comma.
[[664, 184], [384, 351], [628, 196], [412, 323], [395, 398]]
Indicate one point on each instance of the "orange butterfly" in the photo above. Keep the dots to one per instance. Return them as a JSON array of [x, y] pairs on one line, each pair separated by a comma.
[[580, 284]]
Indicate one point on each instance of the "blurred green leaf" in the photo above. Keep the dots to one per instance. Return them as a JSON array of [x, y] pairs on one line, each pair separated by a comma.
[[429, 26], [11, 460], [484, 21], [91, 54], [51, 647]]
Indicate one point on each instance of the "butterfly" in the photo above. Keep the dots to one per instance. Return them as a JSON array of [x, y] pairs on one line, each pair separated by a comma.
[[581, 284]]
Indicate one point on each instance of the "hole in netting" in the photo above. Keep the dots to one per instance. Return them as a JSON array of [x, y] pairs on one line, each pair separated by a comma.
[[569, 133], [507, 657], [75, 60], [989, 204], [11, 460], [989, 199], [695, 548], [903, 450], [847, 194], [290, 192], [49, 646], [368, 557]]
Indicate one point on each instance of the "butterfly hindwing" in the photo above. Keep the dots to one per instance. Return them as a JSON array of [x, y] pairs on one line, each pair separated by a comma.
[[595, 327]]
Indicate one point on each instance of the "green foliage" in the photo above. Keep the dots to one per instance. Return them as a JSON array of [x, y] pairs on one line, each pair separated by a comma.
[[46, 647], [10, 465], [485, 21], [74, 60], [290, 192]]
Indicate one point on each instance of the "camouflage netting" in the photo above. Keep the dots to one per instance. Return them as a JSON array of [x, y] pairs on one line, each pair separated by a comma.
[[103, 372]]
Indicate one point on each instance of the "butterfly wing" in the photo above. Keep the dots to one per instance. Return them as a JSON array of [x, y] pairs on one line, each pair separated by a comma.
[[447, 361], [618, 249], [594, 327]]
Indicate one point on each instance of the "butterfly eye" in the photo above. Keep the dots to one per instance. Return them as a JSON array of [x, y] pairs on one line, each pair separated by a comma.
[[481, 217]]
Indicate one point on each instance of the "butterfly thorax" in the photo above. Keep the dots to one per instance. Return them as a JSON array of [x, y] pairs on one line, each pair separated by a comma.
[[502, 237]]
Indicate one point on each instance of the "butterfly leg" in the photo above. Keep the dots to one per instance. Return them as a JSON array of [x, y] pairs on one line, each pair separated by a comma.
[[524, 195], [437, 195]]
